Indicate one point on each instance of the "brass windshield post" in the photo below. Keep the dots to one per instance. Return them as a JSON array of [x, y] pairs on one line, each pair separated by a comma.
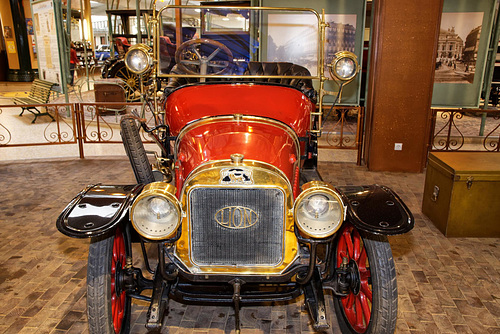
[[321, 72], [153, 27]]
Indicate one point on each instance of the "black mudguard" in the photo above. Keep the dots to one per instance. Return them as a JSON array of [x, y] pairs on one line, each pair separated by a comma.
[[377, 209], [96, 210]]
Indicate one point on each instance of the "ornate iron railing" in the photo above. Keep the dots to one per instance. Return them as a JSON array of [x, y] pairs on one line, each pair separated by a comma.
[[63, 130], [5, 135], [343, 129], [465, 130], [98, 123], [78, 123]]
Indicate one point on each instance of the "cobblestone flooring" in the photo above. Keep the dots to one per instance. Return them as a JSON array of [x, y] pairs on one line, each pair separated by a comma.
[[445, 285]]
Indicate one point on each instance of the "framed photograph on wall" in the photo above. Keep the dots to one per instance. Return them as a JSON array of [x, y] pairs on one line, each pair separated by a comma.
[[462, 52]]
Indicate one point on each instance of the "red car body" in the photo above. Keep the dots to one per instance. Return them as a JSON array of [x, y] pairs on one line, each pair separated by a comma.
[[286, 110]]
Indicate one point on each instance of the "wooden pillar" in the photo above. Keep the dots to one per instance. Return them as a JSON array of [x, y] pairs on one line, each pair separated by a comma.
[[404, 42]]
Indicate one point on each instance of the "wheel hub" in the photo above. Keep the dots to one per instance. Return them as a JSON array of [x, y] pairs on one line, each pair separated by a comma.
[[355, 277], [118, 279], [125, 277], [131, 82], [348, 277]]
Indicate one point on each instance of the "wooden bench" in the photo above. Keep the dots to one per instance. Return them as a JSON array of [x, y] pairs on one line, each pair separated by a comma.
[[39, 94]]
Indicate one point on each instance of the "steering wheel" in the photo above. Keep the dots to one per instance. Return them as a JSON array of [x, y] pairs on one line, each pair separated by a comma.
[[190, 57]]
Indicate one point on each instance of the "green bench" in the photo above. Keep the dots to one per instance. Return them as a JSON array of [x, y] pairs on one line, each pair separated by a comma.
[[39, 94]]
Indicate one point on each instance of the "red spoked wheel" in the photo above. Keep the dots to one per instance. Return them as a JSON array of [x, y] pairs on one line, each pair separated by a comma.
[[118, 296], [108, 306], [371, 303]]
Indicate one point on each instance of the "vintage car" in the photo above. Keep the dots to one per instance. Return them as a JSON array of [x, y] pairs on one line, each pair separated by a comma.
[[232, 204]]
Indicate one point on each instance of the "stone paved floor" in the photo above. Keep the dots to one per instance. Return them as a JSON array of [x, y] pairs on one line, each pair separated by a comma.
[[445, 285]]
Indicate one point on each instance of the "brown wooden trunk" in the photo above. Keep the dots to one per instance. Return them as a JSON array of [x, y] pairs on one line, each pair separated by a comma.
[[462, 193]]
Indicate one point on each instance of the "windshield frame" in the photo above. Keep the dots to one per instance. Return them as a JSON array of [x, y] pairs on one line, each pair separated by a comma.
[[321, 37], [316, 116]]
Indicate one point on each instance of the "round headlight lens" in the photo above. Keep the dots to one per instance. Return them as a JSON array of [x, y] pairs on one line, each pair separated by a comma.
[[155, 214], [345, 68], [138, 59], [319, 211], [316, 205]]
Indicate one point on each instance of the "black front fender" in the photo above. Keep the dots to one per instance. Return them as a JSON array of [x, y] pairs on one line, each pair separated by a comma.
[[377, 209], [96, 210]]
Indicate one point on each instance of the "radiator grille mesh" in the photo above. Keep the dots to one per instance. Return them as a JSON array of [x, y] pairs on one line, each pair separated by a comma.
[[259, 244]]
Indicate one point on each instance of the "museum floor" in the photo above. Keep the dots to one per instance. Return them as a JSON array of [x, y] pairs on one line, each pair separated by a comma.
[[445, 285]]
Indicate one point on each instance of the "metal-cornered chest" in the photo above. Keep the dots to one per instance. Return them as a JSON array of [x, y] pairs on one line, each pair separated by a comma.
[[462, 193]]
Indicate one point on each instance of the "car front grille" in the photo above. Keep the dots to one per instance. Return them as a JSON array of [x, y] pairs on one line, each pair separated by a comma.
[[237, 226]]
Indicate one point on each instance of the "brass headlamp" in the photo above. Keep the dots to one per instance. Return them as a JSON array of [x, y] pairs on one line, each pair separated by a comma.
[[318, 210], [156, 213], [139, 59], [344, 66]]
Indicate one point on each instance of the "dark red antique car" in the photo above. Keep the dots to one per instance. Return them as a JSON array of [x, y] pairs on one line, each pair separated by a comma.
[[233, 203]]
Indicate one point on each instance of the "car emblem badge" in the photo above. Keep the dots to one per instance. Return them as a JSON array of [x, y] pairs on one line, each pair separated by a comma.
[[236, 217], [236, 176]]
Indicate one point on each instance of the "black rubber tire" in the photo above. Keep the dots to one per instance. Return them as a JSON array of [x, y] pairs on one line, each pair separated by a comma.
[[135, 150], [99, 286], [384, 305]]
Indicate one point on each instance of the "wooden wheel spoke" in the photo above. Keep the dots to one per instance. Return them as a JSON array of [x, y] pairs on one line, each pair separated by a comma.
[[366, 308]]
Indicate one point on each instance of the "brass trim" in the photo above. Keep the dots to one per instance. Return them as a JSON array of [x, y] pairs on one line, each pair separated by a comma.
[[237, 118], [245, 219], [226, 163], [321, 37], [320, 75], [240, 76], [265, 176], [237, 158]]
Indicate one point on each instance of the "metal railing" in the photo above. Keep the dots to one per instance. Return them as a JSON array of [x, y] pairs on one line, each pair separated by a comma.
[[465, 130], [77, 123], [98, 123], [343, 129], [62, 131]]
